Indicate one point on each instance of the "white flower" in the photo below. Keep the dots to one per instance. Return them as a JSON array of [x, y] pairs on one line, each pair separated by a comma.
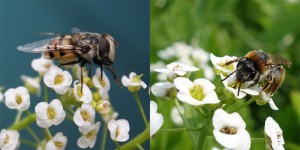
[[219, 63], [103, 107], [85, 95], [9, 139], [104, 83], [161, 89], [273, 134], [32, 84], [229, 130], [58, 142], [263, 98], [175, 115], [199, 92], [231, 81], [17, 98], [41, 65], [134, 82], [110, 116], [49, 114], [156, 119], [84, 116], [119, 130], [175, 68], [89, 136], [58, 79], [158, 64]]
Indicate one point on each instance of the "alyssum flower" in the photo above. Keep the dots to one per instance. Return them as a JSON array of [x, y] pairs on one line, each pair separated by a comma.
[[119, 130], [229, 130], [199, 92], [273, 135], [41, 64], [83, 94], [156, 119], [9, 139], [32, 84], [101, 83], [161, 89], [134, 82], [88, 136], [58, 79], [17, 98], [49, 114], [58, 142], [84, 116]]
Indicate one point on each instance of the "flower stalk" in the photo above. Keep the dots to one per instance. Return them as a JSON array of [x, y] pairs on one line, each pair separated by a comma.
[[141, 108]]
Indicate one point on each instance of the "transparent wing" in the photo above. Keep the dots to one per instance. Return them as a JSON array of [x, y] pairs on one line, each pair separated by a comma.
[[46, 46], [279, 60], [75, 30], [36, 47]]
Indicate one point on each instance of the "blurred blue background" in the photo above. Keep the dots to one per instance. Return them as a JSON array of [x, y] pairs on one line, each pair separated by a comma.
[[126, 20]]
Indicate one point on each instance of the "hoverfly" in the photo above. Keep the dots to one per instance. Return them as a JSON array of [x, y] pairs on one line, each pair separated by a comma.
[[77, 48]]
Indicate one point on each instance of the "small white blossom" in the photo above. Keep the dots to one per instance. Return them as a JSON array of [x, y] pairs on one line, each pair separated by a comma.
[[58, 142], [231, 81], [175, 115], [104, 83], [17, 98], [230, 130], [49, 114], [161, 89], [156, 119], [134, 82], [110, 116], [273, 134], [58, 79], [9, 139], [219, 63], [103, 107], [199, 92], [32, 84], [88, 136], [85, 95], [84, 116], [263, 98], [175, 68], [119, 130], [41, 65]]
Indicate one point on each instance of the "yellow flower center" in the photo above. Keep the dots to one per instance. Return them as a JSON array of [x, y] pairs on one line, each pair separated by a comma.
[[79, 92], [6, 140], [118, 132], [91, 134], [58, 145], [137, 79], [102, 82], [47, 65], [176, 67], [85, 115], [19, 99], [59, 79], [51, 113], [197, 92], [228, 130]]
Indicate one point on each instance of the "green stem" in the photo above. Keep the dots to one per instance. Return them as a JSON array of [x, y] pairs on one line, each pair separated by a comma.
[[70, 109], [180, 129], [258, 140], [23, 123], [48, 133], [18, 117], [241, 106], [141, 108], [139, 147], [28, 143], [45, 93], [117, 144], [33, 134], [104, 137], [140, 139]]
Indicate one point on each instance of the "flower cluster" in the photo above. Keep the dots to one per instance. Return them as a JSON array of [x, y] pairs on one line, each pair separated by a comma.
[[80, 104]]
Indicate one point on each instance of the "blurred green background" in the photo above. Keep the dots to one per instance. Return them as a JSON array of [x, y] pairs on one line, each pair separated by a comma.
[[233, 27]]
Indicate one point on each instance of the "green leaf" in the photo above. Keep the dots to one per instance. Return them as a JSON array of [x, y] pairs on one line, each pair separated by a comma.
[[295, 99]]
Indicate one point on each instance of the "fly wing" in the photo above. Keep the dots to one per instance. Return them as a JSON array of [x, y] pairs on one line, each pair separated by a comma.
[[36, 47], [279, 60]]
